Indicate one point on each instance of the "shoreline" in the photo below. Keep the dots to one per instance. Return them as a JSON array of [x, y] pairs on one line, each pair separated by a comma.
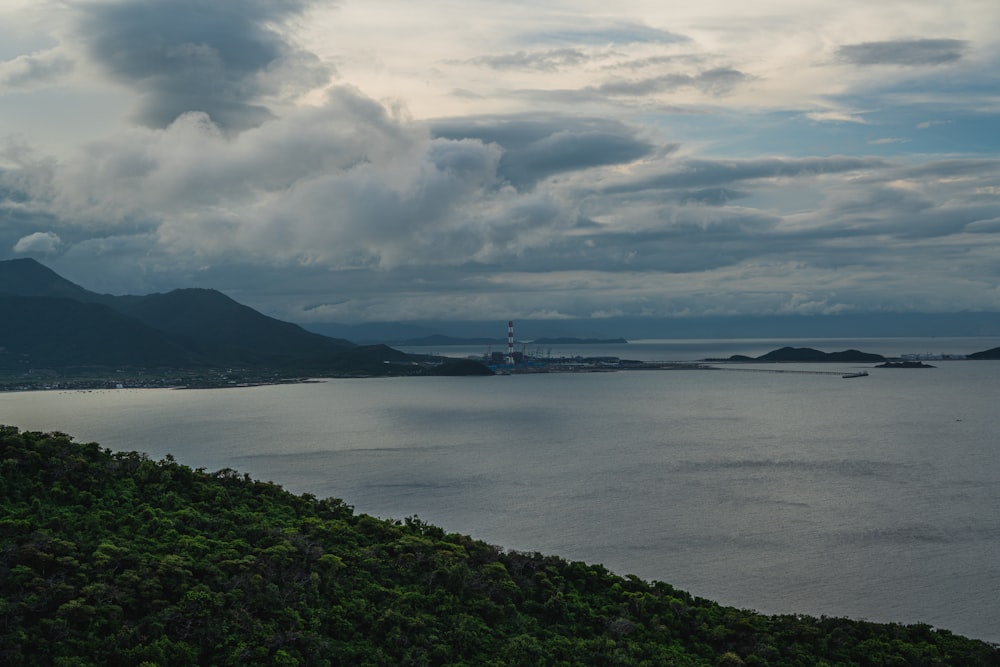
[[63, 383]]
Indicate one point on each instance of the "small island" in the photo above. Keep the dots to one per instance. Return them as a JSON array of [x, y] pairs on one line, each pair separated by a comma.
[[808, 355]]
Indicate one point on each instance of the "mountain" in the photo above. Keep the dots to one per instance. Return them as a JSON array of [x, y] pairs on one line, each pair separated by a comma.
[[60, 332], [211, 322], [372, 332], [26, 277], [54, 323], [808, 355], [441, 340]]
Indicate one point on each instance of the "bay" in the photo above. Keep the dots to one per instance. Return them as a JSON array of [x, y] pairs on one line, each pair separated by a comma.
[[872, 498]]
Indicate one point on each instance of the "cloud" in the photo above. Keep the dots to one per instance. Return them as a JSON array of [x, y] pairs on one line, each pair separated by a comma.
[[715, 82], [535, 148], [836, 116], [553, 179], [465, 94], [658, 61], [35, 70], [619, 33], [39, 242], [702, 173], [712, 196], [221, 58], [548, 61], [407, 220], [912, 52], [346, 184], [927, 124]]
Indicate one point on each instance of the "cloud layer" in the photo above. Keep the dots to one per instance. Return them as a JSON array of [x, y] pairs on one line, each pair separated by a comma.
[[586, 167]]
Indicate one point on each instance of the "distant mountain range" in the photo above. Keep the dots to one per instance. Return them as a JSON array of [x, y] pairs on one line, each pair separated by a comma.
[[788, 327], [442, 341], [50, 322]]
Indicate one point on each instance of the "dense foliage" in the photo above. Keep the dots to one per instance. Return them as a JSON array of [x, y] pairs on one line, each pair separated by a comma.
[[112, 558]]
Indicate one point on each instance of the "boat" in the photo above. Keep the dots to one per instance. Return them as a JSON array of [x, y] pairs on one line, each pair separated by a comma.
[[859, 374]]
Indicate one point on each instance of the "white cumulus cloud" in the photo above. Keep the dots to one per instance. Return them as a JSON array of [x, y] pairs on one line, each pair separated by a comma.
[[39, 242]]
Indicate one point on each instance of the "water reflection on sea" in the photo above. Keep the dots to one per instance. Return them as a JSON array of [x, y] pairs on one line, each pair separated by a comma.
[[873, 497]]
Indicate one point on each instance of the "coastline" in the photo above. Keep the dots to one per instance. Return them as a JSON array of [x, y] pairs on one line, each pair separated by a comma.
[[652, 354]]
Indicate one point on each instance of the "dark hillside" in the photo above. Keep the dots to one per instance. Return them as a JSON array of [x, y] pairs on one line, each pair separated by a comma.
[[214, 322], [38, 332], [26, 277], [109, 558], [49, 322]]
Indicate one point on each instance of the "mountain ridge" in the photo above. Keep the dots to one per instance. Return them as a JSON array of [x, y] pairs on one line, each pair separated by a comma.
[[61, 325], [29, 278]]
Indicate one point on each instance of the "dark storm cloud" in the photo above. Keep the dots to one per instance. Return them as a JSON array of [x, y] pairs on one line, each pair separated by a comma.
[[713, 173], [546, 61], [215, 56], [536, 149], [904, 52]]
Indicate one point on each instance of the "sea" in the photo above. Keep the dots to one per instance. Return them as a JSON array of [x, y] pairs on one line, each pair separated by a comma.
[[874, 498]]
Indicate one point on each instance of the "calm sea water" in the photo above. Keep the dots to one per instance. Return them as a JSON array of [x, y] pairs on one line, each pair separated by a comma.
[[873, 498]]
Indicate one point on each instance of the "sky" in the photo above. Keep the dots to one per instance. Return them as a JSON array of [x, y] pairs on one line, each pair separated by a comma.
[[389, 160]]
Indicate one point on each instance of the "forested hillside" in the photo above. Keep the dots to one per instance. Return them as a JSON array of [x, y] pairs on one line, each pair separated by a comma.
[[112, 558]]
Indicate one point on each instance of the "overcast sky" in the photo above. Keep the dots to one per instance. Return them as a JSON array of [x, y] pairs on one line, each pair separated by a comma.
[[379, 160]]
